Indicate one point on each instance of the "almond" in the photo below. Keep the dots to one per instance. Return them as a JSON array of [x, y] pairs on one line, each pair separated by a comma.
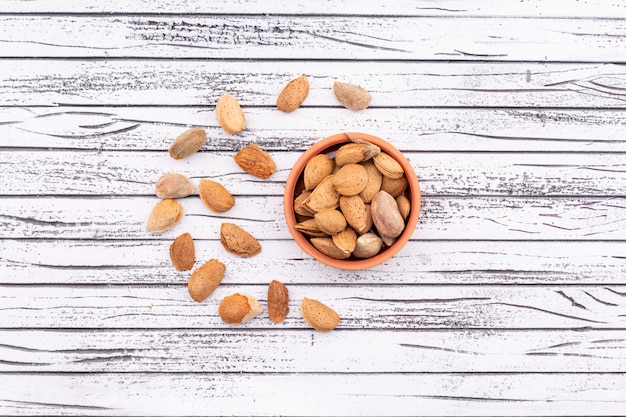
[[386, 216], [277, 301], [404, 206], [255, 161], [367, 245], [215, 196], [388, 166], [374, 181], [345, 240], [299, 208], [182, 252], [328, 247], [351, 179], [174, 185], [318, 168], [352, 96], [319, 316], [205, 279], [324, 196], [294, 93], [237, 241], [353, 153], [394, 186], [309, 227], [229, 114], [239, 308], [188, 143], [165, 215], [355, 212], [330, 221]]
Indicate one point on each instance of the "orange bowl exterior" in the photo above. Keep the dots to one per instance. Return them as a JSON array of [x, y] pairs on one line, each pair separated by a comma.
[[412, 193]]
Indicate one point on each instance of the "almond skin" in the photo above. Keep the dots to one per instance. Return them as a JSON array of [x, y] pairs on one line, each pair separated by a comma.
[[215, 196], [352, 96], [229, 114], [255, 161], [165, 215], [319, 316], [237, 241], [294, 93], [277, 301], [183, 252], [205, 279], [174, 185], [188, 143], [239, 308]]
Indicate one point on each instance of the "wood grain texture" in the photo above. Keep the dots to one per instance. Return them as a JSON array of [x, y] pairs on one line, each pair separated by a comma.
[[201, 82], [286, 351], [403, 307]]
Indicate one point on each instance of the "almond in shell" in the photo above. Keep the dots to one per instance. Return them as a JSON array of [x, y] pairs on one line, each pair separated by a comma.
[[183, 252], [404, 206], [229, 114], [355, 212], [239, 308], [352, 96], [299, 208], [330, 221], [188, 143], [354, 153], [328, 247], [394, 186], [173, 185], [367, 245], [255, 161], [277, 301], [374, 181], [351, 179], [318, 168], [215, 196], [165, 215], [205, 279], [345, 240], [294, 93], [324, 196], [388, 166], [237, 241], [386, 216], [319, 316], [309, 227]]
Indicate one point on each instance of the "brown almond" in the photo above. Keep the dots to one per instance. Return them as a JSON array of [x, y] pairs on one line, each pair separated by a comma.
[[277, 301], [215, 196], [309, 227], [351, 179], [388, 166], [355, 212], [237, 241], [354, 153], [352, 96], [324, 196], [345, 240], [330, 221], [386, 216], [319, 316], [299, 208], [229, 114], [239, 308], [374, 181], [394, 186], [205, 279], [318, 168], [404, 206], [188, 143], [255, 161], [165, 215], [173, 185], [328, 247], [367, 245], [183, 252], [294, 93]]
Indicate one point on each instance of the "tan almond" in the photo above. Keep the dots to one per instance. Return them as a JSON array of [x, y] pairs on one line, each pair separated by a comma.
[[352, 96], [367, 245], [404, 206], [318, 168], [330, 222], [215, 196], [386, 216], [294, 93], [328, 247], [324, 196], [318, 315], [394, 186], [388, 166], [237, 241], [374, 181], [183, 252], [309, 227], [277, 301], [188, 143], [165, 215], [173, 185], [355, 212], [299, 208], [229, 114], [354, 153], [205, 279], [239, 308], [351, 179], [345, 240], [255, 161], [369, 223]]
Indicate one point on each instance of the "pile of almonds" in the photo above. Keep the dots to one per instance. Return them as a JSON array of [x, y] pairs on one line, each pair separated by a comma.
[[353, 204]]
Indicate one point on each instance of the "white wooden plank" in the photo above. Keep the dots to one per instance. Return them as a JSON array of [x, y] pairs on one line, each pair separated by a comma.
[[25, 82], [425, 129], [313, 37], [360, 307], [420, 262], [135, 173], [478, 218], [450, 8], [277, 351], [328, 394]]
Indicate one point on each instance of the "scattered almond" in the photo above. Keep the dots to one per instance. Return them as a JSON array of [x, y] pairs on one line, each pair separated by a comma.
[[237, 241], [229, 114], [255, 161], [182, 252], [277, 301], [215, 196], [165, 215], [205, 279], [319, 316], [294, 93], [188, 143], [174, 185], [352, 96], [239, 308]]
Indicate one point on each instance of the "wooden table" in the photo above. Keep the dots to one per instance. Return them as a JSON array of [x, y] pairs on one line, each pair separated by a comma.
[[510, 299]]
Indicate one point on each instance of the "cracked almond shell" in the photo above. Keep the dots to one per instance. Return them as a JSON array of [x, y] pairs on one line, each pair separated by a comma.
[[239, 308]]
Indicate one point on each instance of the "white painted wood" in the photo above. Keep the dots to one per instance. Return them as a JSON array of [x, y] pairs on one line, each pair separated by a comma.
[[326, 394], [313, 37], [258, 83]]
